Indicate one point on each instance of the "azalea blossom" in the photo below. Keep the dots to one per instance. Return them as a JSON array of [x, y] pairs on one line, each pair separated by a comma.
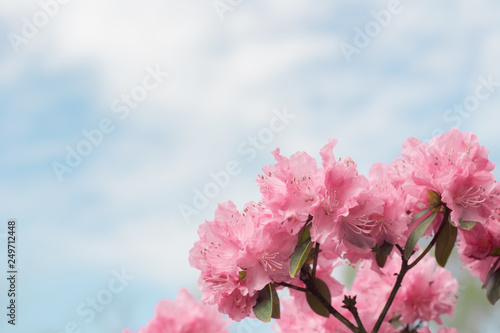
[[185, 315], [291, 187], [479, 248], [457, 168], [238, 254], [427, 292]]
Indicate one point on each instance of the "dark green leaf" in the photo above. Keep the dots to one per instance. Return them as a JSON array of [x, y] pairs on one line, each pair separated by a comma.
[[445, 242], [386, 248], [299, 257], [467, 225], [492, 285], [267, 305], [381, 259], [314, 303], [276, 303], [421, 213], [383, 252], [417, 233], [243, 275]]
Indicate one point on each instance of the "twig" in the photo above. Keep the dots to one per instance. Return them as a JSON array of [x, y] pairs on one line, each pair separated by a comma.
[[315, 263], [291, 286], [305, 276]]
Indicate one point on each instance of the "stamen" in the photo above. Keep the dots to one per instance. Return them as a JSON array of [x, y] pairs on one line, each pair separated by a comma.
[[271, 261], [471, 198]]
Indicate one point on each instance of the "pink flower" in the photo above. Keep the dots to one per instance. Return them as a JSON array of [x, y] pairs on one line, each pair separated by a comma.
[[341, 183], [479, 247], [291, 187], [455, 166], [238, 254], [185, 315], [426, 293], [297, 317], [392, 223], [267, 256], [295, 320], [345, 218]]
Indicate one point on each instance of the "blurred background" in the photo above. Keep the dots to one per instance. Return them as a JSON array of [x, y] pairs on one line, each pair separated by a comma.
[[116, 116]]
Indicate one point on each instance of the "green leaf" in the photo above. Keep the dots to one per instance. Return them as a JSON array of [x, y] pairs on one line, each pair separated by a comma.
[[381, 259], [299, 257], [492, 285], [382, 253], [416, 234], [386, 248], [445, 242], [276, 303], [304, 233], [268, 304], [421, 213], [467, 225], [314, 303], [242, 275]]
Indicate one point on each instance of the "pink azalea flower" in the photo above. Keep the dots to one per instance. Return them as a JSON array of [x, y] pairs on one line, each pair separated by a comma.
[[479, 248], [291, 187], [392, 223], [185, 315], [294, 320], [267, 256], [455, 166], [344, 220], [342, 183], [427, 291], [297, 317], [238, 254], [356, 223]]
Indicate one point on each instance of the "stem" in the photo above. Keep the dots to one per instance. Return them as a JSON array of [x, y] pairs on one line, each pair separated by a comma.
[[291, 286], [305, 276], [400, 249], [315, 263], [355, 313], [405, 268], [397, 285]]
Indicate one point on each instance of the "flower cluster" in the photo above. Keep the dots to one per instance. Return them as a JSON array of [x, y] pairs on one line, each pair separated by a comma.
[[239, 253], [311, 217], [185, 315], [479, 248], [457, 168]]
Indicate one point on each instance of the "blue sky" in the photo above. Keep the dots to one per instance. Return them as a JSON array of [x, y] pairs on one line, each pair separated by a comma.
[[118, 209]]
